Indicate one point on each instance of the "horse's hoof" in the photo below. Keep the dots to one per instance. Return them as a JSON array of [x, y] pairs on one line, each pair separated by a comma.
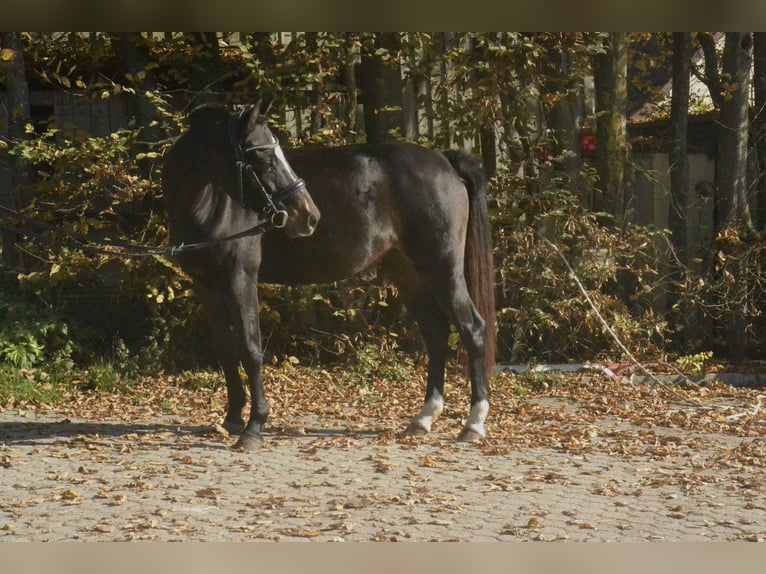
[[234, 427], [415, 429], [469, 435], [249, 442]]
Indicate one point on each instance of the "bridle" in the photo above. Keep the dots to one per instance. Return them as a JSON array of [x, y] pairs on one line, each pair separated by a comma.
[[277, 217]]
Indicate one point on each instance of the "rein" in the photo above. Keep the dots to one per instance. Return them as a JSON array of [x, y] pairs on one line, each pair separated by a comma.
[[108, 246]]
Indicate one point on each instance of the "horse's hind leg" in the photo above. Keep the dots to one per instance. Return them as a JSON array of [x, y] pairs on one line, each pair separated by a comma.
[[435, 303], [453, 297], [434, 327], [449, 302], [472, 329], [225, 345]]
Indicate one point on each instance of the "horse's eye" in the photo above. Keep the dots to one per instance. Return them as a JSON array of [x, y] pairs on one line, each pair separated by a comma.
[[260, 154]]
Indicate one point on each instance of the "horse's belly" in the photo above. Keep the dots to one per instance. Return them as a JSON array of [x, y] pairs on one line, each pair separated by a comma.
[[289, 266]]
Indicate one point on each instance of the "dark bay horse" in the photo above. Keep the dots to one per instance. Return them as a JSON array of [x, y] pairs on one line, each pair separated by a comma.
[[418, 213]]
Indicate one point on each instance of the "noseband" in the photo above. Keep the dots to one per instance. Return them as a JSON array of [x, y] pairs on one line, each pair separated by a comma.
[[277, 217]]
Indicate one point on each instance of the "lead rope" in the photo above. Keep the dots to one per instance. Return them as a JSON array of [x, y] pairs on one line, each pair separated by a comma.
[[127, 249]]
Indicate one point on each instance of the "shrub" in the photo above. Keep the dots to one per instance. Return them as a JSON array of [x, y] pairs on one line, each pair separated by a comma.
[[543, 316], [31, 334]]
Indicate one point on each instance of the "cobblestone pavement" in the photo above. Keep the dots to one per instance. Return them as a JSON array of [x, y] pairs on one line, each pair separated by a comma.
[[165, 479]]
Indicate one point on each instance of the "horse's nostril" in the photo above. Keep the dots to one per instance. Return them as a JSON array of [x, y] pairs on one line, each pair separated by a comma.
[[313, 220]]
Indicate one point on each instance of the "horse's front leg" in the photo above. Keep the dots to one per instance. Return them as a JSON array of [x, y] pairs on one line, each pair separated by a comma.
[[224, 341], [248, 333]]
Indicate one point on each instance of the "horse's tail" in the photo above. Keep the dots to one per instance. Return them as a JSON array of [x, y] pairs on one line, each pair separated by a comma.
[[479, 263]]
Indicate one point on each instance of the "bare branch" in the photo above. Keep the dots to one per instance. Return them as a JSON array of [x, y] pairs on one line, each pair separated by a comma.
[[609, 329]]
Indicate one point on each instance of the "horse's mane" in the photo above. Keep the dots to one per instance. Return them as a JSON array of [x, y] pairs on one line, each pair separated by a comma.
[[201, 153], [208, 117]]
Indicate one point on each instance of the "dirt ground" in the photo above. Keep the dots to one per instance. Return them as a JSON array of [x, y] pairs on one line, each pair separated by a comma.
[[595, 460]]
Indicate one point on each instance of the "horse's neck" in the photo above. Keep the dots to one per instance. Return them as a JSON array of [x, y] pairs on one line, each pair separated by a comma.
[[218, 213], [208, 204]]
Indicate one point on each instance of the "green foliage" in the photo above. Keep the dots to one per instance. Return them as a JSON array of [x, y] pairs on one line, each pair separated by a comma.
[[304, 76], [21, 385], [373, 364], [694, 364], [89, 182], [76, 306], [532, 381], [723, 291], [102, 376], [328, 323], [130, 310], [31, 334]]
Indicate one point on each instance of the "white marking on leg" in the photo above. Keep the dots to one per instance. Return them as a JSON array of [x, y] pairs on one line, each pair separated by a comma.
[[477, 417], [431, 410]]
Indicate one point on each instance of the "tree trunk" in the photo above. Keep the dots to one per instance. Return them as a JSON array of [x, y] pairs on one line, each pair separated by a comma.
[[610, 77], [428, 94], [712, 77], [131, 48], [733, 204], [261, 46], [679, 161], [759, 123], [733, 209], [380, 80], [679, 180], [486, 129], [349, 77], [262, 49], [16, 172], [410, 95], [565, 116], [317, 94], [444, 139]]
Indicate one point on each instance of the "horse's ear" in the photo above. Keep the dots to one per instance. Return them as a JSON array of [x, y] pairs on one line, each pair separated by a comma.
[[248, 118], [264, 104]]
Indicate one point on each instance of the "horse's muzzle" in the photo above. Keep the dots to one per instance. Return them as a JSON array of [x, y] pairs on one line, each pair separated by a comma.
[[303, 213], [312, 221], [308, 221]]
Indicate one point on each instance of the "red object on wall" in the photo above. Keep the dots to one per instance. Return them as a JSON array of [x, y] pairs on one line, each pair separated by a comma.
[[588, 146]]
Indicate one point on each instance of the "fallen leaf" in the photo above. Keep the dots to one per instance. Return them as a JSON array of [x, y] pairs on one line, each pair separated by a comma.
[[208, 493], [71, 495], [427, 461]]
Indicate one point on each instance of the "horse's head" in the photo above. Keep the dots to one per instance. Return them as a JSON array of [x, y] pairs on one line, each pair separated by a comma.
[[272, 187]]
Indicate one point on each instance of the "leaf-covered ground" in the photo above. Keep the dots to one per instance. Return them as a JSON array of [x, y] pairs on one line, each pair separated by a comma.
[[575, 456], [533, 409]]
